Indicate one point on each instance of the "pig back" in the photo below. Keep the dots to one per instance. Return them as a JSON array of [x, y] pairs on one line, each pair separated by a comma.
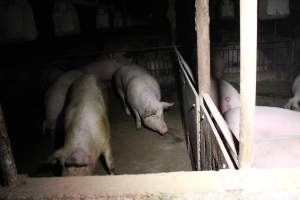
[[127, 73], [270, 122], [104, 67], [56, 94], [87, 124]]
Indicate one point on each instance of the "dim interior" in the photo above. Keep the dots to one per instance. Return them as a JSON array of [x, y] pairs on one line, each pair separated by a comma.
[[142, 31]]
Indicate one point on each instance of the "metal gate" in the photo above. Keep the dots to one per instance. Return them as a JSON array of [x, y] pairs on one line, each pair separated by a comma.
[[210, 143], [274, 55], [191, 115]]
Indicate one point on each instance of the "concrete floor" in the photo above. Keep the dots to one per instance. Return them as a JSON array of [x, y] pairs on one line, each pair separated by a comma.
[[144, 151], [135, 151]]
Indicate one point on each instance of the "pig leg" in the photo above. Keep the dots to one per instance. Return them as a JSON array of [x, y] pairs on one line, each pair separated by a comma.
[[292, 104], [137, 119], [127, 111], [122, 95], [109, 160], [49, 127]]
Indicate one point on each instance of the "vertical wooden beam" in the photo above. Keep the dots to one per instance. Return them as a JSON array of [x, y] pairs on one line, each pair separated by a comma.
[[203, 45], [8, 170], [248, 43], [171, 15]]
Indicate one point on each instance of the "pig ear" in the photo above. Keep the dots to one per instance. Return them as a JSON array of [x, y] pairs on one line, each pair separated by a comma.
[[166, 105], [79, 158]]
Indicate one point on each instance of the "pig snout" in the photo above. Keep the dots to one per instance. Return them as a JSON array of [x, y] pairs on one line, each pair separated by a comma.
[[164, 129], [156, 124]]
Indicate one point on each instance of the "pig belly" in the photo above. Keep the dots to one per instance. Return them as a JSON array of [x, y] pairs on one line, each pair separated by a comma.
[[269, 122], [277, 152]]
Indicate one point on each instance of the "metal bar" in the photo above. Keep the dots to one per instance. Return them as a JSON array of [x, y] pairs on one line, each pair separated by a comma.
[[248, 44]]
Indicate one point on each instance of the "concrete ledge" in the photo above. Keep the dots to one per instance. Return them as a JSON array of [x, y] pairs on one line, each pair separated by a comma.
[[224, 184]]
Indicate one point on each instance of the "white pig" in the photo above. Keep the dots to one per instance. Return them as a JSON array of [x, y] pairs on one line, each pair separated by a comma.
[[55, 99], [49, 76], [269, 121], [105, 66], [276, 136], [293, 102], [224, 95], [87, 130], [141, 91]]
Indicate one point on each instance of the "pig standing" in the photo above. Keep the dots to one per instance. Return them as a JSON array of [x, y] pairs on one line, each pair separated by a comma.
[[87, 130], [293, 102], [141, 91], [276, 136], [55, 99], [105, 66]]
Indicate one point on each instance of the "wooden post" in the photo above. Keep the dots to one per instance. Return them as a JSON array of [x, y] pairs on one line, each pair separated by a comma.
[[8, 169], [203, 45], [171, 15], [248, 35]]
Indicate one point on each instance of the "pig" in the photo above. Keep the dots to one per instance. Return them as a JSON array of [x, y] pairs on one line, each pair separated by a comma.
[[105, 66], [87, 130], [141, 92], [55, 99], [49, 76], [276, 136], [293, 103], [277, 152], [224, 95], [269, 121]]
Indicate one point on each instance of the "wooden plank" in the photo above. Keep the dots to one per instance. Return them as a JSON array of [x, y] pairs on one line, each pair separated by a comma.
[[8, 170], [203, 45], [219, 144], [224, 184], [222, 125], [248, 33]]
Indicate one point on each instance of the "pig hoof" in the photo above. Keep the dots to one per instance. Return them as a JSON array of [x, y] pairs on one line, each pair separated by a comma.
[[138, 125], [112, 172]]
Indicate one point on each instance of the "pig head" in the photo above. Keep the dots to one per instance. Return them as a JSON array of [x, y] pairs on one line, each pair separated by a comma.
[[153, 117]]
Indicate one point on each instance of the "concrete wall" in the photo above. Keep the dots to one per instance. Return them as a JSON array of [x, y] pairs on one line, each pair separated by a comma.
[[224, 184]]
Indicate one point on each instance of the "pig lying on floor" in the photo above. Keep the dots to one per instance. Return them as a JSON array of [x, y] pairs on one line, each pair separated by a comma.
[[87, 130], [141, 92], [277, 136]]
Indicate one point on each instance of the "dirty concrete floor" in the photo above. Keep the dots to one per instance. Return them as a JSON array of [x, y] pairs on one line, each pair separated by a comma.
[[141, 150]]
